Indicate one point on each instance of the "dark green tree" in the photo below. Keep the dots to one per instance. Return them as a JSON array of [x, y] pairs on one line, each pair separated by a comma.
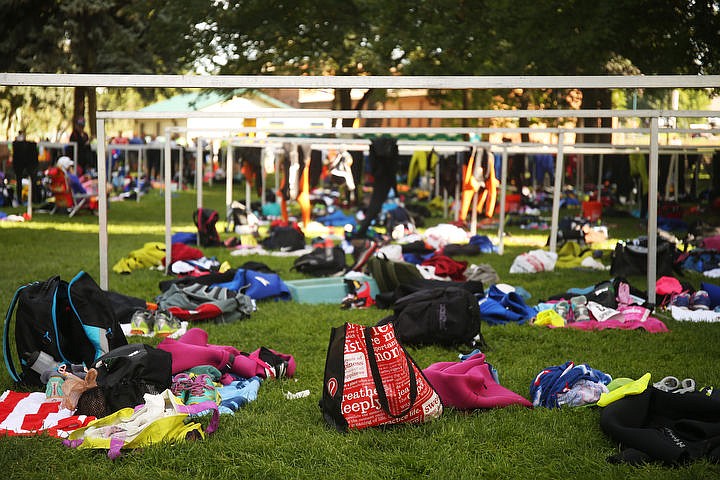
[[98, 36], [552, 37], [460, 37], [319, 37]]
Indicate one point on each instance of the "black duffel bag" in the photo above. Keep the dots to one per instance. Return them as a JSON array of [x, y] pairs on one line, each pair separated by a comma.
[[631, 256]]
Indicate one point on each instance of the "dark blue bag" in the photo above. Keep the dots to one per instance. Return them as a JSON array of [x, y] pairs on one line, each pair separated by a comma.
[[257, 285], [499, 308]]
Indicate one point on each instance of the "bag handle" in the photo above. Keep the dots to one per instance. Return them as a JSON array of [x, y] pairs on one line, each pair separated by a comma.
[[9, 364], [202, 407], [375, 371]]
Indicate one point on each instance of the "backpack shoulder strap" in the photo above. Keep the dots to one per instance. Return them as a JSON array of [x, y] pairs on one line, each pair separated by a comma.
[[9, 364], [92, 309], [376, 267]]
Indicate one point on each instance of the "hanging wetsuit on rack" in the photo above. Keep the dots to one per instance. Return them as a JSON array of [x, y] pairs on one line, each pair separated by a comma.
[[639, 172], [384, 164], [303, 196], [489, 194], [470, 184], [448, 173], [25, 164], [283, 192], [316, 167], [250, 165]]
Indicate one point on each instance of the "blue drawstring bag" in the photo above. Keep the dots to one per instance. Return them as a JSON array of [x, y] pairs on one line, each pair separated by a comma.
[[499, 308], [257, 285]]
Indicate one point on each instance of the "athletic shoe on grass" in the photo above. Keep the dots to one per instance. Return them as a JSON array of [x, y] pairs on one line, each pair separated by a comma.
[[165, 324], [700, 300], [579, 308], [202, 389], [563, 309], [680, 300], [141, 322]]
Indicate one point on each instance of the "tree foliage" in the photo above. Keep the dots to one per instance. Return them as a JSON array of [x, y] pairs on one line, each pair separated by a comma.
[[461, 37], [366, 37], [35, 109], [98, 36]]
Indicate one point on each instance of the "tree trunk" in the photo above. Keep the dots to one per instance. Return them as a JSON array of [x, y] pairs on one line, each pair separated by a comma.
[[600, 99], [596, 98], [79, 103], [466, 102], [92, 108], [524, 122], [344, 102]]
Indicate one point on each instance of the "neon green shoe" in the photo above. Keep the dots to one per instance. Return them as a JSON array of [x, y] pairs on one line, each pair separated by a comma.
[[141, 323], [165, 324]]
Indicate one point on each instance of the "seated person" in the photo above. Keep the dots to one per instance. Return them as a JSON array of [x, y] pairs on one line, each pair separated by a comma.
[[68, 167]]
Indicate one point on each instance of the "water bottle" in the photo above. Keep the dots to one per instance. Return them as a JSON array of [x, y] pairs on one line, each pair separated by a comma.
[[41, 362], [329, 246]]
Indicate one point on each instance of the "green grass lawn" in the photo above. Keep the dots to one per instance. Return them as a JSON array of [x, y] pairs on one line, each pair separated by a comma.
[[278, 438]]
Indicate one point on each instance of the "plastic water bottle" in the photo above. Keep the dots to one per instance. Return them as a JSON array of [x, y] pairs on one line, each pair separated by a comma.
[[41, 362], [329, 246]]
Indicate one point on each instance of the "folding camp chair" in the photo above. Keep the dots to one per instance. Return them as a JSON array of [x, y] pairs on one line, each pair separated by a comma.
[[59, 185]]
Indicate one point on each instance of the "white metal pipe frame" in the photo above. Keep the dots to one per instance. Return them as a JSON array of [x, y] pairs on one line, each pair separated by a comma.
[[289, 81], [428, 82], [558, 149], [505, 148]]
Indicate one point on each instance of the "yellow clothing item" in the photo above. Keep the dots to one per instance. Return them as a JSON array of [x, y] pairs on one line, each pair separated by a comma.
[[150, 255], [571, 255], [549, 317], [635, 387], [470, 186], [638, 168], [162, 419], [419, 164]]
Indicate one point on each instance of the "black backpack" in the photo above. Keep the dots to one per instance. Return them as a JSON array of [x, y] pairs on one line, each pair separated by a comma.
[[630, 258], [389, 274], [127, 373], [319, 264], [72, 322], [205, 220], [284, 238], [447, 316]]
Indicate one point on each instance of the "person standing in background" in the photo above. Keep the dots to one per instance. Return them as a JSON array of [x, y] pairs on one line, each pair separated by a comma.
[[84, 153]]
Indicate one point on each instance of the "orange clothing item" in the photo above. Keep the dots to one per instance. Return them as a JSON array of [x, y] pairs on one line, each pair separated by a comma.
[[489, 194], [470, 186], [304, 196]]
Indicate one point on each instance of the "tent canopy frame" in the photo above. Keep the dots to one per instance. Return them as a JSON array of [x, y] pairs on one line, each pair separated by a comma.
[[432, 82]]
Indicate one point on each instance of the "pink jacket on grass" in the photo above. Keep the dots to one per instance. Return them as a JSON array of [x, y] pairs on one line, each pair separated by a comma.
[[712, 242], [470, 384], [192, 350]]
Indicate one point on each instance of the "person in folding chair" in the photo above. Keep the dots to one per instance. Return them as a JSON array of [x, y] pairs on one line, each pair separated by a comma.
[[69, 193]]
